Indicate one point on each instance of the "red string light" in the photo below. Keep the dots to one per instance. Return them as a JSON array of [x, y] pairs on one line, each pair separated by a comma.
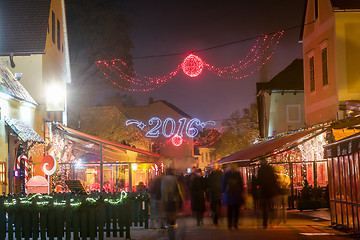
[[212, 137], [124, 77]]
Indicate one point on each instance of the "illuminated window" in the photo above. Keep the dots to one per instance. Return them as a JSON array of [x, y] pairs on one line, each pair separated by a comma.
[[2, 173], [312, 74], [324, 66]]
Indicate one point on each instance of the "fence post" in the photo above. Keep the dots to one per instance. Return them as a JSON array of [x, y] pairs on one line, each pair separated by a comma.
[[146, 212], [107, 220], [84, 220], [68, 222], [43, 224], [60, 218], [76, 223], [2, 219], [10, 224], [35, 219], [26, 216], [114, 221], [92, 223], [101, 218], [128, 220], [51, 219], [122, 218], [17, 221]]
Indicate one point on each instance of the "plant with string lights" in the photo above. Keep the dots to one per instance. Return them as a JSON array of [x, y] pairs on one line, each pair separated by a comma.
[[124, 77], [43, 202]]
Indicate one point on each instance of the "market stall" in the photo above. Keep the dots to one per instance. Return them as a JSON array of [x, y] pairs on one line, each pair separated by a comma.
[[299, 153], [100, 165], [344, 185]]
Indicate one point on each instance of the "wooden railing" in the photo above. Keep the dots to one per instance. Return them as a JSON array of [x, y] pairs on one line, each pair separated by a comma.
[[67, 216]]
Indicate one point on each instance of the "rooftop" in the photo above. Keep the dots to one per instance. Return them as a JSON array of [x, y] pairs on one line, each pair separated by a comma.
[[24, 26]]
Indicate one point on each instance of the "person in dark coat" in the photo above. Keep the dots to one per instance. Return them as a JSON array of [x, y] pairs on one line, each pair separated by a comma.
[[170, 196], [233, 188], [156, 211], [214, 191], [197, 195], [268, 189]]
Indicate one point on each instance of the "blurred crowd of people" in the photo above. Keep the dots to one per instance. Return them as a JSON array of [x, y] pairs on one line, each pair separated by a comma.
[[266, 194]]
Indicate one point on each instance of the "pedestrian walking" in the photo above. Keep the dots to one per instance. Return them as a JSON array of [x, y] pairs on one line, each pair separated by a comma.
[[156, 208], [214, 192], [197, 196], [283, 181], [268, 190], [233, 197], [170, 196]]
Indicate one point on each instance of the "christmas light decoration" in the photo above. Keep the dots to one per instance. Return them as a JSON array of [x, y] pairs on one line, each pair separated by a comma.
[[124, 77], [312, 150], [26, 166], [212, 136], [44, 200], [177, 140], [190, 129], [192, 65], [49, 164]]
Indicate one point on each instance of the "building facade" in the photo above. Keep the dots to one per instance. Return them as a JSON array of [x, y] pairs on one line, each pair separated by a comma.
[[34, 48], [281, 101], [331, 53]]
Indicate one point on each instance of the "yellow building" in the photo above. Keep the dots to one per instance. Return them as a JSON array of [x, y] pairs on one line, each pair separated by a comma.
[[281, 101], [331, 50], [33, 45]]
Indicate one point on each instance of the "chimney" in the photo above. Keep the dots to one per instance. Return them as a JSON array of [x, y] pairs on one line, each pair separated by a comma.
[[151, 100]]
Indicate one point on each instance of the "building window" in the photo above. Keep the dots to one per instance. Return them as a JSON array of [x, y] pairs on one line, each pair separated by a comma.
[[324, 66], [316, 9], [293, 113], [53, 26], [312, 74], [58, 34], [2, 173]]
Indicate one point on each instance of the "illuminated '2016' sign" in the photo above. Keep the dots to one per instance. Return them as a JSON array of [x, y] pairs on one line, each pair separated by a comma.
[[169, 128]]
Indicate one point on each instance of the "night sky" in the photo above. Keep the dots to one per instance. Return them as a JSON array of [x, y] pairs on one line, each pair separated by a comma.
[[164, 27]]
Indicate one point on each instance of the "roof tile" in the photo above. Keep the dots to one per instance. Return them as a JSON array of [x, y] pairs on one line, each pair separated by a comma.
[[23, 26]]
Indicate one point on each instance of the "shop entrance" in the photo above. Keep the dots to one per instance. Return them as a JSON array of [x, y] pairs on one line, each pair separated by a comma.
[[115, 178]]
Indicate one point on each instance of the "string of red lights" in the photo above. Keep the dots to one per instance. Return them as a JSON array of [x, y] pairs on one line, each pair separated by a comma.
[[124, 77]]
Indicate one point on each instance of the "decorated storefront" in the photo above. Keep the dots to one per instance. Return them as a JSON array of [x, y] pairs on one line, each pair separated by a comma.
[[100, 165], [297, 155], [21, 136], [26, 149], [344, 186]]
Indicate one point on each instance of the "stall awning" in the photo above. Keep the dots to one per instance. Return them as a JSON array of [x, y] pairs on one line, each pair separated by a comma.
[[111, 147], [23, 130], [272, 146], [343, 147]]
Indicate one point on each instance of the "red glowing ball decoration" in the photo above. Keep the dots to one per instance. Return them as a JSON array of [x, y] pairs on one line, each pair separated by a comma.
[[177, 140], [192, 65]]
